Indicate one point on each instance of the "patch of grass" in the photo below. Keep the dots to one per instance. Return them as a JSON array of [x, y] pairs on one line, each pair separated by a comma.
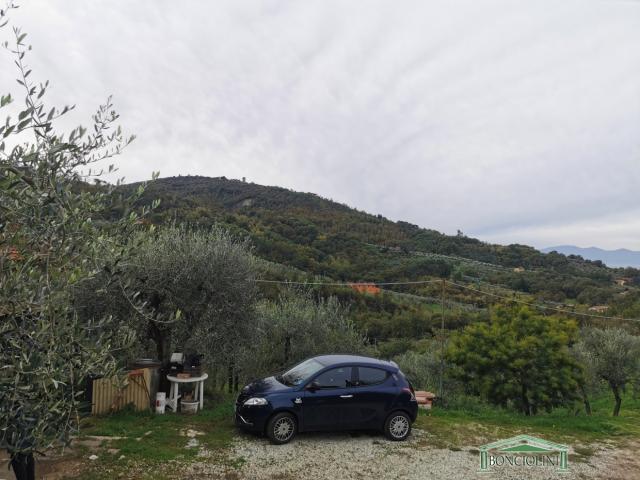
[[157, 443], [476, 423]]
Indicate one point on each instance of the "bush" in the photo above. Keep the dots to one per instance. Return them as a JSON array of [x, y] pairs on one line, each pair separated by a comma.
[[422, 369], [519, 358]]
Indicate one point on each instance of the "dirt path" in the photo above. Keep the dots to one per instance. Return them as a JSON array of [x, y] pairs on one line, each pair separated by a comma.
[[55, 468], [368, 456]]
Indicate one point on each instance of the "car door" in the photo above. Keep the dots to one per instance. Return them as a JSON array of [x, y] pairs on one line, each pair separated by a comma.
[[327, 398], [374, 395]]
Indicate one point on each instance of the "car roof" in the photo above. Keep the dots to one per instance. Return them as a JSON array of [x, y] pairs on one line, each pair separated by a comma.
[[341, 359]]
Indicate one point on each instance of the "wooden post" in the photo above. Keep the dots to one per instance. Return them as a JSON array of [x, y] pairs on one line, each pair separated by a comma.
[[440, 393]]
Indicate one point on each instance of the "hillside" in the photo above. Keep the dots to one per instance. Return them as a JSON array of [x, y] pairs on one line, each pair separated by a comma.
[[320, 237], [302, 235], [621, 257]]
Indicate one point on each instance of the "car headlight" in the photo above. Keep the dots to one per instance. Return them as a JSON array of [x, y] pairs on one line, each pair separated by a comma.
[[256, 401]]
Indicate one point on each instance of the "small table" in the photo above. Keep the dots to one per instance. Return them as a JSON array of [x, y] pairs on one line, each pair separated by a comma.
[[174, 393]]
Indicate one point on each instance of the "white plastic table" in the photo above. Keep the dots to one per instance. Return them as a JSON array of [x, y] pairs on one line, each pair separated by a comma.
[[174, 393]]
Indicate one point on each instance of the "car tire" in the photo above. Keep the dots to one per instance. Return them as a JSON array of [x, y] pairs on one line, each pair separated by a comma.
[[397, 427], [281, 428]]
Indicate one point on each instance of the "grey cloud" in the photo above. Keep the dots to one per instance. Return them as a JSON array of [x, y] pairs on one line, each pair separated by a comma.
[[512, 120]]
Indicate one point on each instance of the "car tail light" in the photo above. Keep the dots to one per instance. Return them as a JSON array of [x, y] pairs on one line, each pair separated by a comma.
[[410, 392]]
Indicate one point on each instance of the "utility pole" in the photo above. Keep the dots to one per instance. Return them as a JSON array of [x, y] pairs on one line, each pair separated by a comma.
[[440, 394]]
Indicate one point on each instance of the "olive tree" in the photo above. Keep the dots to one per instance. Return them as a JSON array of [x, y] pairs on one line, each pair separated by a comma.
[[51, 241], [195, 289], [588, 379], [296, 326], [613, 355], [421, 368]]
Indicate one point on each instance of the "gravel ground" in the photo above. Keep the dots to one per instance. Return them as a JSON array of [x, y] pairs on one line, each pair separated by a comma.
[[361, 456], [370, 456]]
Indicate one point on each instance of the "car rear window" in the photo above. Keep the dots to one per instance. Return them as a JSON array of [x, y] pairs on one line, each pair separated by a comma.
[[335, 378], [371, 376]]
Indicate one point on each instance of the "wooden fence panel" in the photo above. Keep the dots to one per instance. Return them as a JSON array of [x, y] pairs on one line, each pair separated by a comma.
[[108, 396]]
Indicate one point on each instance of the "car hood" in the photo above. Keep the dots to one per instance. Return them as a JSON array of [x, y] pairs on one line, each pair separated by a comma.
[[264, 386]]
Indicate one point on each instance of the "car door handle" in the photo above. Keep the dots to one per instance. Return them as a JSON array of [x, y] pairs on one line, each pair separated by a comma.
[[346, 396]]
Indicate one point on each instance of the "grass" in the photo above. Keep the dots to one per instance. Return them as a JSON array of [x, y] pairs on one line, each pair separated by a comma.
[[478, 423], [155, 443]]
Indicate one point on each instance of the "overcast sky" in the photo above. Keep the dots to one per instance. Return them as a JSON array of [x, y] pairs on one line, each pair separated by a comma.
[[514, 121]]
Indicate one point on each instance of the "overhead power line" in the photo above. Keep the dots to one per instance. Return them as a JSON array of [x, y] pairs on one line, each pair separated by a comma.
[[349, 284]]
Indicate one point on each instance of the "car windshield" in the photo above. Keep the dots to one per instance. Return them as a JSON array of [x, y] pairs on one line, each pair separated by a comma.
[[300, 372]]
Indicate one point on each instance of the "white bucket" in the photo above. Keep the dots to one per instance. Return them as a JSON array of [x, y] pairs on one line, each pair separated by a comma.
[[189, 407], [161, 402]]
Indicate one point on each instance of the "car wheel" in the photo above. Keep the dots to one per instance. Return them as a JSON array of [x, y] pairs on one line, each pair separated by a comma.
[[281, 428], [398, 426]]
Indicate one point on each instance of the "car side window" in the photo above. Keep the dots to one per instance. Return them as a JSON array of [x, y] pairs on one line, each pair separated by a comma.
[[335, 378], [371, 376]]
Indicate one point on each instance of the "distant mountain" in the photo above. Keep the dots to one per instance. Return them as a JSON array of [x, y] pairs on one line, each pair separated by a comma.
[[613, 258]]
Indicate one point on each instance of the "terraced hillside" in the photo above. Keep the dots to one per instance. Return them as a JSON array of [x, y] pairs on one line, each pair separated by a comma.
[[313, 236]]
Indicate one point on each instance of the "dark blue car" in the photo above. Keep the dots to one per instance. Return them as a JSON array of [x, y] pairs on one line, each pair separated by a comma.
[[329, 392]]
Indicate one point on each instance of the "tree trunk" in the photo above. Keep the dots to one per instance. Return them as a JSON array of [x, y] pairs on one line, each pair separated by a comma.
[[585, 400], [526, 407], [213, 378], [163, 347], [230, 377], [162, 340], [163, 344], [287, 349], [616, 394], [23, 466]]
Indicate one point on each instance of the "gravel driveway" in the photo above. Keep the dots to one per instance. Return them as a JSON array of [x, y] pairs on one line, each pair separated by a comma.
[[369, 456]]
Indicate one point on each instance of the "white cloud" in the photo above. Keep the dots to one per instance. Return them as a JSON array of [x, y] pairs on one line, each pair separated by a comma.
[[511, 120]]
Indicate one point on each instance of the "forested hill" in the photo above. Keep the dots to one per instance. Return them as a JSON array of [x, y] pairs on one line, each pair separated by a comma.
[[319, 236]]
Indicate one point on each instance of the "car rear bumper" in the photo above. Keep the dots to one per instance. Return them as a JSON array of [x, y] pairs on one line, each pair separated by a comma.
[[413, 410]]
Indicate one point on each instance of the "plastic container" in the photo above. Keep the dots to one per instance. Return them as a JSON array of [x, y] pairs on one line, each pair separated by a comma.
[[161, 402], [189, 407]]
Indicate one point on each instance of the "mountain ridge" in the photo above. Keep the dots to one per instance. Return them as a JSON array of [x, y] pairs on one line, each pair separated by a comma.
[[618, 258]]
